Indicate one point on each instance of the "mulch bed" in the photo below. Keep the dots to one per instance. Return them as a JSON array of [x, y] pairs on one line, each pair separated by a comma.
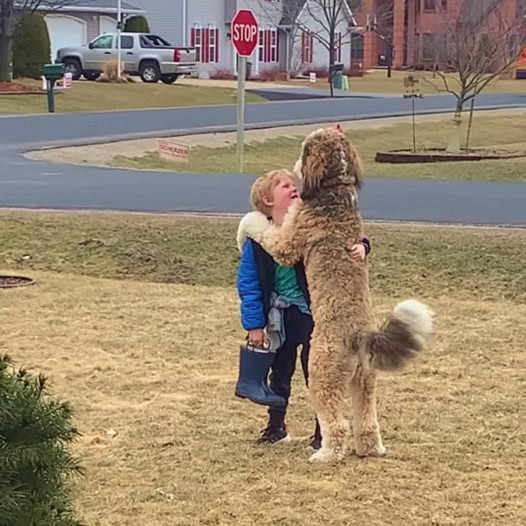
[[18, 88], [441, 156], [8, 282]]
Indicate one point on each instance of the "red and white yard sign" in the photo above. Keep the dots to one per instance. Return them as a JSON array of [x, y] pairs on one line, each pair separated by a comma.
[[244, 28], [173, 151]]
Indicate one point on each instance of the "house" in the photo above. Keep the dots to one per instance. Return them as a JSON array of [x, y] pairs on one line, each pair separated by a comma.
[[81, 21], [416, 28], [205, 24]]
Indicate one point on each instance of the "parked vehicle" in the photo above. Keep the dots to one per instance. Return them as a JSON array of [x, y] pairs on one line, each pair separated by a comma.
[[149, 56]]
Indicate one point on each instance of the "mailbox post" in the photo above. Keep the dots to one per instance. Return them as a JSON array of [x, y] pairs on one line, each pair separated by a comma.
[[52, 72]]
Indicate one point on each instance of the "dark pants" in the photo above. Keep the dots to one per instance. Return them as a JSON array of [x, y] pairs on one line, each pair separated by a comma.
[[298, 329]]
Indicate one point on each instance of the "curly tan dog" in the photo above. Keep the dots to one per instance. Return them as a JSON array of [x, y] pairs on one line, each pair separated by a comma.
[[346, 346]]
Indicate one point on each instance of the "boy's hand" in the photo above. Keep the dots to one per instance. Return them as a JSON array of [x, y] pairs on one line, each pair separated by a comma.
[[256, 337], [358, 252]]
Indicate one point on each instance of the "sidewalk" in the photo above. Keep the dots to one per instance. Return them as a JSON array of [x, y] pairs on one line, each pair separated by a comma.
[[320, 89]]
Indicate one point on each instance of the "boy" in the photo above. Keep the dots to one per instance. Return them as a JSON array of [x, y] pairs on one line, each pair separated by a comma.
[[264, 285]]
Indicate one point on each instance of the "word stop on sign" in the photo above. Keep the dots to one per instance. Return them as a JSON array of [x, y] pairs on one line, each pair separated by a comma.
[[245, 32]]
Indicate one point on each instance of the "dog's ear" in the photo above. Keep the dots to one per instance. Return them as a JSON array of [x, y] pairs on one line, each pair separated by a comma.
[[312, 171]]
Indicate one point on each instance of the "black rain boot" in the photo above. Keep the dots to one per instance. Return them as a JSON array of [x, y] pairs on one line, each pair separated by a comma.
[[254, 366]]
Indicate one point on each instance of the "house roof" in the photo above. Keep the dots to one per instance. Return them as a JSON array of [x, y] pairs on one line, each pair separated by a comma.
[[91, 6], [293, 8], [291, 11]]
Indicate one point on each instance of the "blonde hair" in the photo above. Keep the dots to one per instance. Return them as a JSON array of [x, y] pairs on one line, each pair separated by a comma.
[[264, 186]]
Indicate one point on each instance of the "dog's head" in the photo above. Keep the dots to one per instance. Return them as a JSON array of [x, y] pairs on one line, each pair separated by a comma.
[[327, 160]]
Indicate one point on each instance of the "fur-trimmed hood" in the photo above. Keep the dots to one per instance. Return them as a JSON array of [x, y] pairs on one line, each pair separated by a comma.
[[253, 226]]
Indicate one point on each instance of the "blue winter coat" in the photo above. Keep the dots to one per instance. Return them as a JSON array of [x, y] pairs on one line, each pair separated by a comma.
[[255, 282]]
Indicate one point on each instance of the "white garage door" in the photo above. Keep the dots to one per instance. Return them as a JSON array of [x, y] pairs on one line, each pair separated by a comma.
[[107, 25], [65, 31]]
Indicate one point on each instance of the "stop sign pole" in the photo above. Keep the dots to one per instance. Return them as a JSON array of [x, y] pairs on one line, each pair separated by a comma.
[[245, 34]]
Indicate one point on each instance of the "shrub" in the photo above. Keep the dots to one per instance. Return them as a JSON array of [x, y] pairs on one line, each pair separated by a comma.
[[137, 24], [109, 73], [321, 72], [31, 47], [272, 74], [223, 74], [36, 465]]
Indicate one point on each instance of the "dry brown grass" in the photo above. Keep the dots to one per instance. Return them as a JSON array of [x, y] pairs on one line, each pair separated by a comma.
[[158, 362]]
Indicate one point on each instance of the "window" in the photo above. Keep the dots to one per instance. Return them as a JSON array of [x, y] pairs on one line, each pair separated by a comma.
[[273, 45], [430, 5], [127, 42], [149, 41], [205, 40], [429, 51], [196, 42], [357, 48], [307, 45], [103, 42], [337, 47], [268, 45], [444, 5], [261, 45], [212, 44]]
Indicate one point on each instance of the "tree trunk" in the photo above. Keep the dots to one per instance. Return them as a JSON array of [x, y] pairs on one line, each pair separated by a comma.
[[389, 56], [454, 139], [331, 63], [290, 53], [5, 58], [470, 123]]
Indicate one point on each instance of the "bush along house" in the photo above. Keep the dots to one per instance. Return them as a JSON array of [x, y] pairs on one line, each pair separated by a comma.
[[289, 35]]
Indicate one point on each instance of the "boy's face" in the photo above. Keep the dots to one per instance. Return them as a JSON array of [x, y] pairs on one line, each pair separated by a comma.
[[283, 195]]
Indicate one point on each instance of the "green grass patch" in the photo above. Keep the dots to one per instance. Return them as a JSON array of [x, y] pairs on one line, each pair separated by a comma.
[[94, 96], [283, 152], [426, 261]]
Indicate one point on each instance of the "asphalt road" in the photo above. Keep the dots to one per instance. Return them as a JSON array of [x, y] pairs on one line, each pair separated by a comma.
[[33, 184]]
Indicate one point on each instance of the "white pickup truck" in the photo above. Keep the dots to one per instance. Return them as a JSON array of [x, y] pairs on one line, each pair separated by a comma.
[[149, 56]]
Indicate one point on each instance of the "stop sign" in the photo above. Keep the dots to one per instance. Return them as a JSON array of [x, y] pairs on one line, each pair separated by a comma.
[[244, 29]]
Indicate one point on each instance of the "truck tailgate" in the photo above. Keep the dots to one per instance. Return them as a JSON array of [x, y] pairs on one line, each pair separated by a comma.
[[188, 54]]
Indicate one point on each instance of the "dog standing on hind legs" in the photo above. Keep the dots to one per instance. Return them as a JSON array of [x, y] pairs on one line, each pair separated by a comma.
[[346, 346]]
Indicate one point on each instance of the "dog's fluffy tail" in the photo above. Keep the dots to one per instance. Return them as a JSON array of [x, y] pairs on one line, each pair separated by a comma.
[[403, 335]]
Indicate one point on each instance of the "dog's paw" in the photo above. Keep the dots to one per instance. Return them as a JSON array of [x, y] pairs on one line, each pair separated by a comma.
[[369, 444], [371, 451], [326, 455]]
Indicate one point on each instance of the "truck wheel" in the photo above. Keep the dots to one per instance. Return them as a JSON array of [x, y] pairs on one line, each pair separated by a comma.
[[169, 79], [91, 75], [72, 65], [149, 71]]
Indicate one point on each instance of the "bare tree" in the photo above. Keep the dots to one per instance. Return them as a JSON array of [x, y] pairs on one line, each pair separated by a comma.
[[286, 17], [11, 14], [380, 22], [482, 42], [329, 15]]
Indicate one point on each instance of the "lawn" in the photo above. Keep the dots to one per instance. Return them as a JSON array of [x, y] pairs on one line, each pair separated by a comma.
[[135, 320], [496, 131], [95, 96], [376, 81]]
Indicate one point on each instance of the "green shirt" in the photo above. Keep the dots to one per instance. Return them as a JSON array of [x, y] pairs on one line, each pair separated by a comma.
[[285, 282]]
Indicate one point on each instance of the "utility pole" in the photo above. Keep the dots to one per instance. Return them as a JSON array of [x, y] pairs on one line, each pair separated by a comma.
[[119, 26]]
